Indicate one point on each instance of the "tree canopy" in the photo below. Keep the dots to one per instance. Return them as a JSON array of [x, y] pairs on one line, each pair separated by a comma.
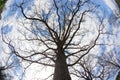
[[67, 35]]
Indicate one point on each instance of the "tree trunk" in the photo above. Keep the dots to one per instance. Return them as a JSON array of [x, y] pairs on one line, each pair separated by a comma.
[[61, 68]]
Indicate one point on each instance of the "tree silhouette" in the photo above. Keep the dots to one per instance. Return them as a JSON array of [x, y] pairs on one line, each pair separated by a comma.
[[118, 3], [118, 76], [111, 63], [57, 36], [2, 5], [1, 74]]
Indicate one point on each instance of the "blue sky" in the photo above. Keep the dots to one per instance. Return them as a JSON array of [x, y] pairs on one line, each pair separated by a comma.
[[6, 29], [11, 10]]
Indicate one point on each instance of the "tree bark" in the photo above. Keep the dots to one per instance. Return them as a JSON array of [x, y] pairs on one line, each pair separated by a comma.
[[61, 68]]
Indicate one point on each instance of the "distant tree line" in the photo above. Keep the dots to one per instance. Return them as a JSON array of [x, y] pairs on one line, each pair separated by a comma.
[[2, 4], [118, 3]]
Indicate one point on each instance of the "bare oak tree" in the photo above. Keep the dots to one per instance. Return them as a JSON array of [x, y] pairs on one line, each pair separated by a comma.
[[56, 36]]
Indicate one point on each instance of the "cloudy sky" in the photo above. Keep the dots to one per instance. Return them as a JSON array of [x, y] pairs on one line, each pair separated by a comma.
[[9, 16]]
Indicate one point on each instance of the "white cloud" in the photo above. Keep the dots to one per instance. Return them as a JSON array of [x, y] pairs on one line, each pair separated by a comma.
[[113, 6]]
